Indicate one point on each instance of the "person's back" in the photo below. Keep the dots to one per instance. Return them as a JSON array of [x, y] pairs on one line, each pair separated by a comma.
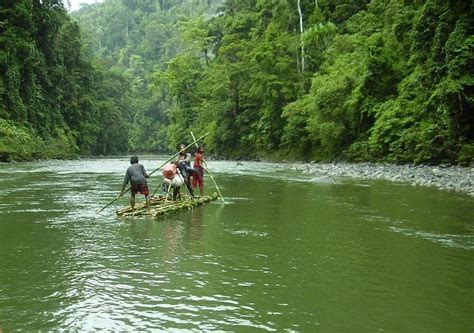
[[198, 158], [170, 171], [136, 174], [172, 178]]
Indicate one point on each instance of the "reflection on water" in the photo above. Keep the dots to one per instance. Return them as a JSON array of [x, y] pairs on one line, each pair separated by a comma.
[[288, 252]]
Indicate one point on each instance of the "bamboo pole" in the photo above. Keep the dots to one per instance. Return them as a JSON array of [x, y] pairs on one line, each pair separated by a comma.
[[128, 189], [167, 193], [186, 185], [207, 170], [115, 199]]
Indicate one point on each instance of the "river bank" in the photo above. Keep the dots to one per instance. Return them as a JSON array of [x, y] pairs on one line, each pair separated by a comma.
[[444, 177]]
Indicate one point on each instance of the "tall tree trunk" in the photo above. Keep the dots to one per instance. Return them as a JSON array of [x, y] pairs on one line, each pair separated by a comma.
[[301, 37]]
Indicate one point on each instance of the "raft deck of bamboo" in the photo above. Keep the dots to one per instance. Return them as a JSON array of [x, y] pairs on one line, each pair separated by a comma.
[[159, 206]]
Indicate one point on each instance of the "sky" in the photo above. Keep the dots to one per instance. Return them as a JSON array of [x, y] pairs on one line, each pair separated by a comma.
[[75, 3]]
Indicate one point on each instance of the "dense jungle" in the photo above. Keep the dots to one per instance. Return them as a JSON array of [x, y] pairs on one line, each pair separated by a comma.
[[306, 80]]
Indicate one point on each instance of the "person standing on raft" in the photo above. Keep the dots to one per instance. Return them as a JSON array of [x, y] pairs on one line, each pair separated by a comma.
[[172, 178], [198, 175], [184, 166], [137, 176]]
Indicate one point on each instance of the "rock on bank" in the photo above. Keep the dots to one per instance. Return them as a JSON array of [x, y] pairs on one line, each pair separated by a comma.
[[451, 178]]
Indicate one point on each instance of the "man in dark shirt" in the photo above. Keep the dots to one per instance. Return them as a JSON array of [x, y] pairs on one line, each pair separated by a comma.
[[136, 175]]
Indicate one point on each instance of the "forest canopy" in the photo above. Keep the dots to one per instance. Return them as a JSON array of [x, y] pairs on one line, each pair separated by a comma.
[[284, 79]]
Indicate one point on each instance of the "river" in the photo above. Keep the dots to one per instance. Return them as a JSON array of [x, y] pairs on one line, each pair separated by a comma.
[[287, 252]]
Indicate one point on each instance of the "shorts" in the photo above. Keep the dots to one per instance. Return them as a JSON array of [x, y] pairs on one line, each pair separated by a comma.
[[142, 188], [198, 176]]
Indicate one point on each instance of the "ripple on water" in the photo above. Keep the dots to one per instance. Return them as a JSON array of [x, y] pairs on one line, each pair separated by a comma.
[[174, 309], [235, 274], [456, 241], [245, 232]]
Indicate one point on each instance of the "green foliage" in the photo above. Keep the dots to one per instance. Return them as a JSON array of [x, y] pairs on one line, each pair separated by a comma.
[[427, 120], [330, 114], [466, 154], [369, 103], [49, 91], [18, 143], [383, 80]]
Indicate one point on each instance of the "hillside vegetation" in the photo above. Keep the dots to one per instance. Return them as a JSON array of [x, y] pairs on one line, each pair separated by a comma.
[[357, 80]]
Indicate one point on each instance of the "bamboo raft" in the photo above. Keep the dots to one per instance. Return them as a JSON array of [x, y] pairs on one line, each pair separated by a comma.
[[159, 206]]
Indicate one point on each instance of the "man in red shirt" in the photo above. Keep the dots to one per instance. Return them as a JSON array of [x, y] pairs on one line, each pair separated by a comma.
[[198, 175]]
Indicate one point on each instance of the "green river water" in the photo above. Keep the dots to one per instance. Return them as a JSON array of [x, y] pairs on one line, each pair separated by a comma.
[[287, 253]]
